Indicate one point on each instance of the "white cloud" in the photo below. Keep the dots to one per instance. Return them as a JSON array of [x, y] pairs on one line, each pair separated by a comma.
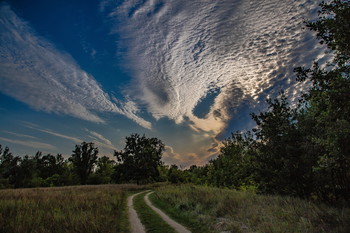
[[36, 73], [181, 50], [99, 137], [73, 139], [32, 144], [207, 147], [19, 135]]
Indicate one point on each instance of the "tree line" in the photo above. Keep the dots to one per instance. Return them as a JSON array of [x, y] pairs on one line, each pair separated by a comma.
[[139, 162]]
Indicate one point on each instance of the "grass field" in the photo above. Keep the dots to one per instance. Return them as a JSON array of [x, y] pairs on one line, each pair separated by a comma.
[[65, 209], [103, 208], [205, 209]]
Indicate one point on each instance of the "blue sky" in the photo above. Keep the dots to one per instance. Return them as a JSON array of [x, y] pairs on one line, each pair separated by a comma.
[[187, 72]]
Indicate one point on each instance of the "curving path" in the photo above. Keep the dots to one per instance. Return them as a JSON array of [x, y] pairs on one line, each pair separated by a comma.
[[179, 228], [136, 225]]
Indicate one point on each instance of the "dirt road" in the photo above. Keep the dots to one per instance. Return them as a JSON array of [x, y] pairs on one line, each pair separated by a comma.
[[136, 225]]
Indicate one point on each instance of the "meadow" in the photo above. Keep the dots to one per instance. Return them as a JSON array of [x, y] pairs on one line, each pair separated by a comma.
[[103, 208], [65, 209], [207, 209]]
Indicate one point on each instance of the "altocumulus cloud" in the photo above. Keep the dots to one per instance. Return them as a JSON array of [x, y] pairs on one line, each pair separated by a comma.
[[36, 73], [182, 50]]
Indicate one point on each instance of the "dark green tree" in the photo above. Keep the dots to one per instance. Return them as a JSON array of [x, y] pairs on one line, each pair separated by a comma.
[[9, 166], [281, 166], [49, 165], [175, 175], [140, 159], [83, 159], [333, 28], [325, 109], [28, 174], [104, 171], [235, 165]]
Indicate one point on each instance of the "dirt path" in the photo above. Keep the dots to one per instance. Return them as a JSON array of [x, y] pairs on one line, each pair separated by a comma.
[[136, 225], [179, 228]]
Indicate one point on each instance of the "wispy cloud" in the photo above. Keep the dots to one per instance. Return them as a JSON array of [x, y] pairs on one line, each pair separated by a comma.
[[19, 135], [101, 141], [181, 50], [35, 72], [73, 139], [99, 137], [32, 144]]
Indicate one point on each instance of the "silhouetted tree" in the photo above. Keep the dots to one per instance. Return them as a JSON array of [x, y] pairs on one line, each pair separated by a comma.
[[325, 109], [175, 175], [140, 159], [49, 165], [333, 28], [83, 159], [104, 171], [9, 166], [235, 166], [280, 163]]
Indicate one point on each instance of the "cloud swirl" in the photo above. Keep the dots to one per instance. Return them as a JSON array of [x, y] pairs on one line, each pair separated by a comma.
[[182, 50]]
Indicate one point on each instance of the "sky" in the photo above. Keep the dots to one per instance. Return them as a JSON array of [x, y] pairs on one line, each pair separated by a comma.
[[188, 72]]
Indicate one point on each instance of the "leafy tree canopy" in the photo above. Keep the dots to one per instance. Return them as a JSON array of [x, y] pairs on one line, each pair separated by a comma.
[[83, 159], [140, 158]]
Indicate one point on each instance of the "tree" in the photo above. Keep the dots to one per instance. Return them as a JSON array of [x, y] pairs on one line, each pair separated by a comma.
[[333, 27], [327, 105], [49, 165], [175, 175], [9, 166], [104, 171], [235, 166], [140, 159], [83, 159]]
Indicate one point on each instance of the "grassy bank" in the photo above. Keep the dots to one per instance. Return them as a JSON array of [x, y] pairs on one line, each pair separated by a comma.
[[205, 209], [66, 209]]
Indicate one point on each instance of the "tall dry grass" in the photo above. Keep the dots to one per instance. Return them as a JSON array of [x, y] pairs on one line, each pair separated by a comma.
[[100, 208], [206, 209]]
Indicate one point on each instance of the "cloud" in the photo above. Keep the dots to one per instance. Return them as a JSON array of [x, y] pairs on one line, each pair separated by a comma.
[[102, 141], [35, 72], [99, 140], [207, 148], [182, 50], [32, 144], [99, 137], [19, 135], [73, 139]]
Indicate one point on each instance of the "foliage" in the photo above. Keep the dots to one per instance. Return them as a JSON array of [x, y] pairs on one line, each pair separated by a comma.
[[175, 175], [234, 166], [333, 27], [8, 167], [104, 171], [83, 159], [140, 159]]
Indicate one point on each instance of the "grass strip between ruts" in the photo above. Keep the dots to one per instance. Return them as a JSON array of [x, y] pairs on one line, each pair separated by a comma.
[[152, 222], [182, 217]]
